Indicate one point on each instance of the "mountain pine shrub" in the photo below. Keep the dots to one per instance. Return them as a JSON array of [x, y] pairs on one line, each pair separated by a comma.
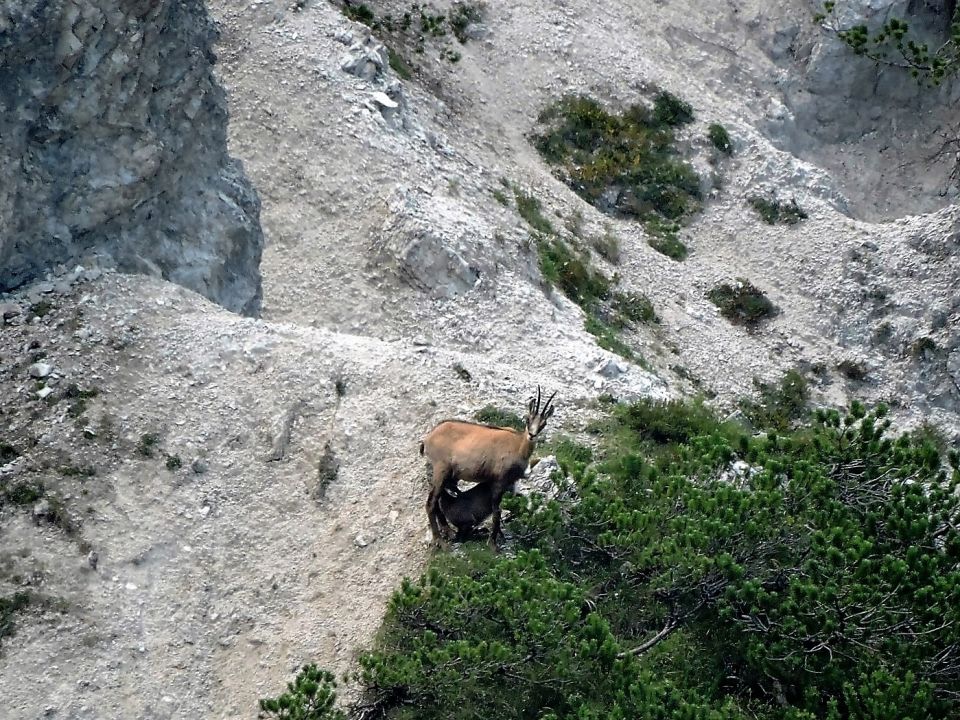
[[310, 696], [700, 573], [742, 303]]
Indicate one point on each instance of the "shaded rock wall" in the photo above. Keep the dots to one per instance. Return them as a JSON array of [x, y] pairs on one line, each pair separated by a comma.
[[114, 144], [873, 128]]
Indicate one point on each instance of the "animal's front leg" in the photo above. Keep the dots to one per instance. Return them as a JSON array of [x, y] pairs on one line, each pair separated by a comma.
[[495, 532]]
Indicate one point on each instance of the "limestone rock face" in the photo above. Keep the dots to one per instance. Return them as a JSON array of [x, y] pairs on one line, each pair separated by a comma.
[[832, 99], [114, 145]]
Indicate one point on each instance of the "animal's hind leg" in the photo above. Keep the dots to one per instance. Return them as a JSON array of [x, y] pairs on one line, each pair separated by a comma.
[[441, 476]]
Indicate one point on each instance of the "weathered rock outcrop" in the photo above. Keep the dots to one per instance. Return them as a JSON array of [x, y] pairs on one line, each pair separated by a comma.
[[872, 126], [114, 144]]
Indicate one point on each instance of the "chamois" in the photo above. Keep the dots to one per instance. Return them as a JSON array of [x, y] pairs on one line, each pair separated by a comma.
[[482, 454], [469, 508]]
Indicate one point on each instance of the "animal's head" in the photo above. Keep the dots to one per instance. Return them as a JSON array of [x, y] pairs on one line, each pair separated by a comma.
[[537, 416]]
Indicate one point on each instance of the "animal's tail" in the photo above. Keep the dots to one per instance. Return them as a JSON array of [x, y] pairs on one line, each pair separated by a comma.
[[421, 447]]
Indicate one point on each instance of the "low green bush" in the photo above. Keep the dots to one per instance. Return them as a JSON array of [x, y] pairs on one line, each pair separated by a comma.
[[668, 109], [664, 238], [773, 211], [572, 273], [720, 138], [742, 303], [399, 65], [311, 696], [634, 307], [779, 406], [360, 13], [630, 155], [22, 492], [10, 606], [463, 14], [607, 337]]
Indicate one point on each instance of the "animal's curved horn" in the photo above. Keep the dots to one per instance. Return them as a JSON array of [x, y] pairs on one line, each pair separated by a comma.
[[547, 408], [537, 411]]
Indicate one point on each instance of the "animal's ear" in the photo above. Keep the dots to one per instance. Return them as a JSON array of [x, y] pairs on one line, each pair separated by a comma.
[[531, 404], [548, 413]]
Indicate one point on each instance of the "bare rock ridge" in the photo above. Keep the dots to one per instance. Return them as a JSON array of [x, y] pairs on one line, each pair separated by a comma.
[[114, 148]]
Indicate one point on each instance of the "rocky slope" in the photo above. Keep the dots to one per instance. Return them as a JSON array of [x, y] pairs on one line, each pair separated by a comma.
[[393, 273], [114, 148]]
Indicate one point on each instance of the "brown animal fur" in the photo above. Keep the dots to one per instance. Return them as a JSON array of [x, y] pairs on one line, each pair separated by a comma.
[[482, 454]]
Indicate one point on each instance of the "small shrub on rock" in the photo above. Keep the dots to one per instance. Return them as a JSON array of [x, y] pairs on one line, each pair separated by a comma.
[[25, 492], [360, 13], [855, 370], [720, 138], [607, 245], [311, 696], [668, 109], [773, 211], [742, 303], [779, 406], [664, 238], [634, 307], [9, 607], [462, 15], [147, 444], [572, 273]]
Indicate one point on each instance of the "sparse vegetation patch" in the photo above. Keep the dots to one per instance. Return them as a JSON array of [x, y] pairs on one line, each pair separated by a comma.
[[774, 212], [626, 163], [8, 453], [531, 210], [720, 138], [634, 307], [664, 238], [9, 607], [147, 444], [852, 369], [607, 245], [23, 492], [419, 26], [742, 303], [41, 309], [607, 311], [670, 110], [498, 417], [462, 15], [572, 273], [328, 470], [779, 406]]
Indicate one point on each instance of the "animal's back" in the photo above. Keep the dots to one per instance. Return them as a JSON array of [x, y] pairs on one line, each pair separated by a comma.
[[469, 442]]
